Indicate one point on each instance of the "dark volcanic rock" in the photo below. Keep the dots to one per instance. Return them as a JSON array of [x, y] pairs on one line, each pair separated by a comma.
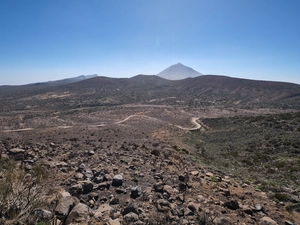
[[232, 204], [118, 180]]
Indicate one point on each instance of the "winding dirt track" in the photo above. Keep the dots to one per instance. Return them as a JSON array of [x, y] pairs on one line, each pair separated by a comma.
[[193, 120]]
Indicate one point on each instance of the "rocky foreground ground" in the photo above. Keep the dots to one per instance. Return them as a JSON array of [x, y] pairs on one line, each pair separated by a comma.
[[107, 175]]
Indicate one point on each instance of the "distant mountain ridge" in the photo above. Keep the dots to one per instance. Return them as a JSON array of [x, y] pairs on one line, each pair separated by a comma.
[[178, 72], [66, 80], [6, 89], [202, 90]]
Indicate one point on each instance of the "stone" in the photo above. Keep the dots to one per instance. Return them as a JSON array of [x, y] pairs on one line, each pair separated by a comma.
[[91, 203], [188, 212], [147, 194], [131, 217], [81, 168], [182, 178], [102, 186], [64, 206], [247, 209], [88, 175], [42, 214], [113, 222], [185, 222], [267, 221], [158, 187], [79, 176], [209, 174], [79, 213], [192, 206], [87, 186], [76, 189], [221, 221], [118, 180], [224, 191], [16, 150], [289, 223], [103, 211], [91, 152], [163, 205], [121, 191], [195, 173], [114, 201], [182, 187], [168, 189], [98, 179], [131, 207], [258, 208], [61, 164], [180, 197], [232, 204], [17, 153], [155, 152], [136, 192]]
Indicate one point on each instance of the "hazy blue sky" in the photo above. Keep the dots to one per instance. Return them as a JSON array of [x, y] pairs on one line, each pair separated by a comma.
[[43, 40]]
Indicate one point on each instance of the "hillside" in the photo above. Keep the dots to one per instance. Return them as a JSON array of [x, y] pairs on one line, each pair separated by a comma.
[[201, 91], [147, 150]]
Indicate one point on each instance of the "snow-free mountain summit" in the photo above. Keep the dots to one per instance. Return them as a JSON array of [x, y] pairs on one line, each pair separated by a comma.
[[178, 72]]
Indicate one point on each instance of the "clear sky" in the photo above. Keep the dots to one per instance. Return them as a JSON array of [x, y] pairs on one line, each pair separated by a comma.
[[43, 40]]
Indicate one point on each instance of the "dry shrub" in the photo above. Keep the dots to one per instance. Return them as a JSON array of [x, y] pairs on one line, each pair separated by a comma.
[[21, 193]]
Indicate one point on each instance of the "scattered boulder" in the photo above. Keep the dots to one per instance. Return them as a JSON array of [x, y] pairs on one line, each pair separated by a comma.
[[232, 204], [79, 213], [158, 187], [118, 180], [209, 174], [195, 173], [247, 209], [103, 211], [131, 207], [131, 217], [114, 201], [76, 189], [91, 152], [87, 186], [155, 152], [113, 222], [79, 176], [81, 168], [258, 208], [136, 192], [17, 153], [98, 179], [64, 206], [16, 150], [102, 186], [88, 175], [163, 205], [42, 214], [267, 221]]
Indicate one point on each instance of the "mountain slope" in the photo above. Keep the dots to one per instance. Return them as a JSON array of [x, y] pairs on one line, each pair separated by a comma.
[[40, 86], [178, 72], [66, 81], [205, 90], [235, 87]]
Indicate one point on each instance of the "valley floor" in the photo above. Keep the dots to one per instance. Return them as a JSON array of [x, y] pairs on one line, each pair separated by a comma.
[[143, 164]]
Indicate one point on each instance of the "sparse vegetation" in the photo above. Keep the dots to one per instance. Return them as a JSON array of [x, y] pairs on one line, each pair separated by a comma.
[[141, 133], [261, 149], [22, 193]]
